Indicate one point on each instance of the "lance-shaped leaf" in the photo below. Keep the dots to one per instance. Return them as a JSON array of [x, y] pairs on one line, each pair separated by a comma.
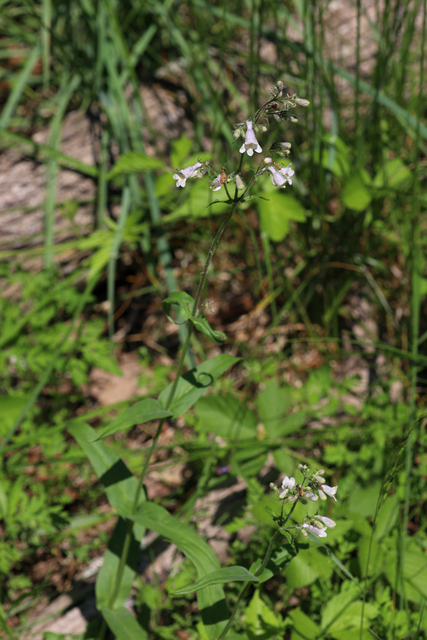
[[139, 413], [226, 574], [123, 624], [134, 162], [211, 599], [193, 384], [120, 484]]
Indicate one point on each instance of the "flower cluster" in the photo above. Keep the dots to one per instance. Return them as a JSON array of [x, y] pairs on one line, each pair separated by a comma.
[[279, 106], [311, 488], [279, 175], [316, 525]]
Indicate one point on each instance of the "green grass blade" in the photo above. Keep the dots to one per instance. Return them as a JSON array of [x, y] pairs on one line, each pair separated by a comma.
[[65, 94], [45, 38], [41, 151], [18, 88], [111, 274]]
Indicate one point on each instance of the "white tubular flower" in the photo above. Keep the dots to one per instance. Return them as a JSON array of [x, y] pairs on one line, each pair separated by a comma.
[[329, 491], [311, 496], [251, 143], [287, 484], [320, 533], [216, 183], [181, 175], [318, 477], [327, 522], [280, 177]]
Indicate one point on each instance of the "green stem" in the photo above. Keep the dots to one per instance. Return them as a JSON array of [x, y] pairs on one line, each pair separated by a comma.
[[195, 312], [260, 569], [211, 252]]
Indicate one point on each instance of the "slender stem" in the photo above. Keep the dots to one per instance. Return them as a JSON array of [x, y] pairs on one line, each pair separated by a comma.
[[211, 252], [195, 312], [260, 569]]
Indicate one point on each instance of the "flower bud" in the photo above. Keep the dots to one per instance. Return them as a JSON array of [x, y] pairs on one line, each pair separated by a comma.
[[236, 134], [239, 183], [280, 86], [302, 102], [293, 118]]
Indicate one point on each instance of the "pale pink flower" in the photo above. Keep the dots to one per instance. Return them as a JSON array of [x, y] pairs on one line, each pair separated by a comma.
[[182, 175], [216, 183], [280, 177], [327, 522], [320, 533], [251, 143], [329, 491]]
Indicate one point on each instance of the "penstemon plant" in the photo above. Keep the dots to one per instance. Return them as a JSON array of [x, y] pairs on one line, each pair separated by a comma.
[[126, 493]]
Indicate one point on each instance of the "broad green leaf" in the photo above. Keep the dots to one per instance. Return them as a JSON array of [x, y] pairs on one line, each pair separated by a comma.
[[265, 508], [193, 384], [248, 460], [10, 409], [120, 485], [141, 412], [304, 627], [387, 516], [415, 574], [134, 162], [394, 174], [180, 150], [211, 600], [355, 195], [364, 499], [349, 619], [283, 461], [372, 550], [306, 567], [337, 605], [278, 560], [276, 214], [107, 576], [352, 633], [222, 576], [261, 621], [273, 404], [226, 416], [123, 624]]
